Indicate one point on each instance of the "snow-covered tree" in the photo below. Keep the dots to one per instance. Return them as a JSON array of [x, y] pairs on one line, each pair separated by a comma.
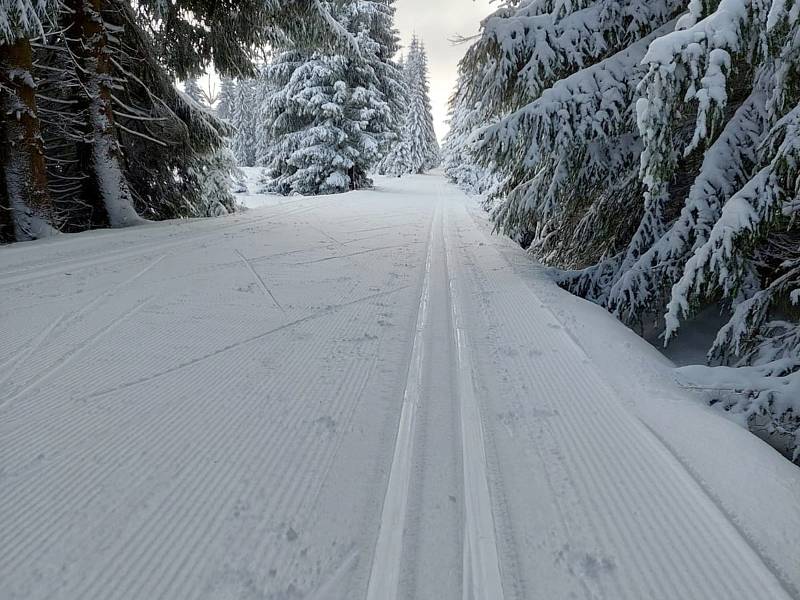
[[163, 135], [687, 124], [225, 102], [330, 112], [379, 42], [243, 118], [92, 42], [458, 159], [93, 129], [217, 175], [264, 88], [737, 237], [560, 80], [417, 149], [192, 89], [26, 207], [324, 125]]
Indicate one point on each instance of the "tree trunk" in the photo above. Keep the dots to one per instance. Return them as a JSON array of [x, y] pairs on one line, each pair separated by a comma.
[[7, 234], [105, 188], [25, 198]]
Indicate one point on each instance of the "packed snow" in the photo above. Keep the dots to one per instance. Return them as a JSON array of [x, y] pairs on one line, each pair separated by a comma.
[[352, 396]]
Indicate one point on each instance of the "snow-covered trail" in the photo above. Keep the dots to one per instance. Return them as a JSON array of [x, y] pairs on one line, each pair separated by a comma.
[[338, 397]]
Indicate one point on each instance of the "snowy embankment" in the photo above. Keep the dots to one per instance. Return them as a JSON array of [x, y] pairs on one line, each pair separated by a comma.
[[256, 405], [755, 486]]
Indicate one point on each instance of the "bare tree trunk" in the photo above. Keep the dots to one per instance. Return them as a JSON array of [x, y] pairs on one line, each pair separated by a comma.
[[6, 218], [25, 198], [106, 187]]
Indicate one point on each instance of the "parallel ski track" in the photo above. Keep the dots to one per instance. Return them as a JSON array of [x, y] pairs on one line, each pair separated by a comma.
[[628, 482], [481, 578], [387, 557], [481, 566]]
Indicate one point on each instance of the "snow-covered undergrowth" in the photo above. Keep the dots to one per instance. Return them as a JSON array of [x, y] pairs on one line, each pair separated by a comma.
[[649, 152]]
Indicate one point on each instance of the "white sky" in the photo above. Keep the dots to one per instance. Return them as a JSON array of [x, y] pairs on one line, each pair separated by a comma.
[[436, 22]]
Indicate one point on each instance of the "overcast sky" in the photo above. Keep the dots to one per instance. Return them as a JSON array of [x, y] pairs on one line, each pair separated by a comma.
[[436, 22]]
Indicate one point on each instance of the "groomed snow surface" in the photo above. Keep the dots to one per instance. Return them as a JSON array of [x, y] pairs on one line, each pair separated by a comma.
[[358, 396]]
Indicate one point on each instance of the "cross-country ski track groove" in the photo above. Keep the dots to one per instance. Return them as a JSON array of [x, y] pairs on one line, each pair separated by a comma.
[[384, 576], [481, 565], [340, 397]]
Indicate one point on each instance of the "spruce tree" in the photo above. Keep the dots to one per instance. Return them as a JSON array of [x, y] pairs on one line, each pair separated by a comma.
[[687, 125], [330, 112], [116, 138], [417, 150], [458, 161], [243, 119], [324, 125], [217, 175], [262, 131], [193, 91], [91, 42], [379, 42], [558, 120], [225, 102], [737, 235]]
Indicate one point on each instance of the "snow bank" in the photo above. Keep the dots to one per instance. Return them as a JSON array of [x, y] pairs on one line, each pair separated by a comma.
[[753, 484]]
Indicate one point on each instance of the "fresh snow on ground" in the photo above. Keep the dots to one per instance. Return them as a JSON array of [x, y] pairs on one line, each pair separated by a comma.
[[253, 198], [363, 395]]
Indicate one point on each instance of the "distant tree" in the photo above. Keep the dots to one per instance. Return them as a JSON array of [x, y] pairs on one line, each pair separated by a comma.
[[192, 89], [333, 113], [416, 150], [243, 117], [226, 97]]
